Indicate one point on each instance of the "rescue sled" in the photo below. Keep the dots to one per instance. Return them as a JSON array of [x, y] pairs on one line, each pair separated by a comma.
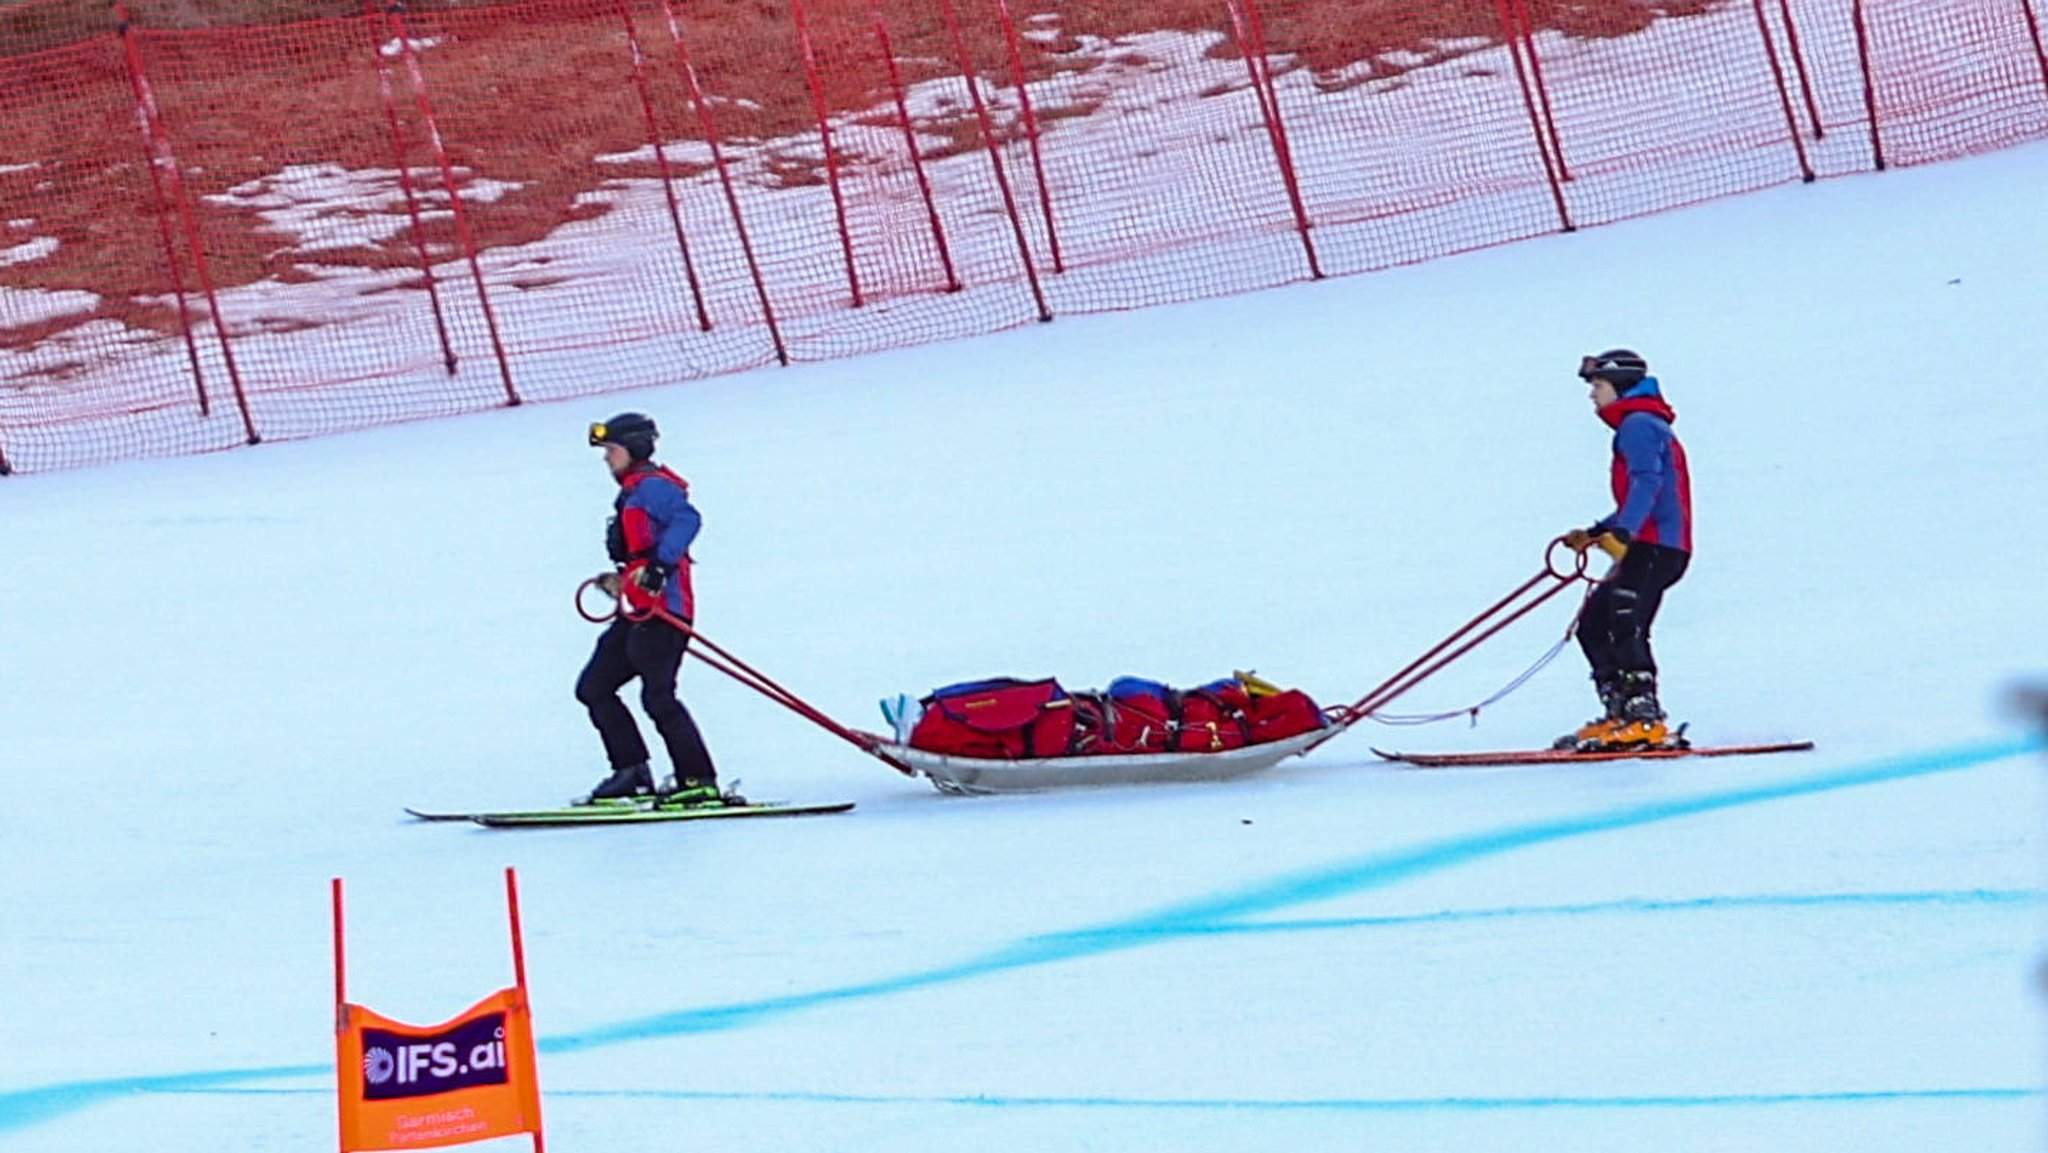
[[975, 776], [1010, 736]]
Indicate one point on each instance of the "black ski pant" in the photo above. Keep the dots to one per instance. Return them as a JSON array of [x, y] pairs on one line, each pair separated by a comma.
[[1614, 624], [651, 650]]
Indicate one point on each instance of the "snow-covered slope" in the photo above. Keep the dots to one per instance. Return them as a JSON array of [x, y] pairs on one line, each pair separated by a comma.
[[226, 674]]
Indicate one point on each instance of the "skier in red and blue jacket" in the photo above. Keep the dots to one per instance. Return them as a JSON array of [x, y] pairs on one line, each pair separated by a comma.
[[649, 537], [1650, 534]]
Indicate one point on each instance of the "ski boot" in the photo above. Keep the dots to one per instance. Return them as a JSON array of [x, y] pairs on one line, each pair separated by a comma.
[[1589, 737], [1641, 723], [626, 781], [693, 793], [1593, 734], [1638, 734]]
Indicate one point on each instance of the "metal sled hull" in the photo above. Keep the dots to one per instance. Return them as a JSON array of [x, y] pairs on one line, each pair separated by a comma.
[[975, 775]]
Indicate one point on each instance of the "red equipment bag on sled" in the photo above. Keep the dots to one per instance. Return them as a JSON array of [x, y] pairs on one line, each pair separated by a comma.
[[1149, 717], [1001, 719], [1211, 719], [1008, 719], [1277, 716], [1143, 716]]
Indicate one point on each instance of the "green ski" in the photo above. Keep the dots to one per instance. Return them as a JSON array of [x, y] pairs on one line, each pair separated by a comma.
[[585, 808], [651, 814]]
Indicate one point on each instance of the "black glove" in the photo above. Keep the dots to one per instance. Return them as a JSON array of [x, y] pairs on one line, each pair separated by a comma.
[[652, 575]]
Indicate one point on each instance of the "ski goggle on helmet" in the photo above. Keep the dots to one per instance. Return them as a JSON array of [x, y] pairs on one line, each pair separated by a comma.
[[632, 431], [1617, 366]]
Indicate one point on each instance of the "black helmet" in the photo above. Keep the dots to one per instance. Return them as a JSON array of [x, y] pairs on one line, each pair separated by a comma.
[[1619, 367], [632, 431]]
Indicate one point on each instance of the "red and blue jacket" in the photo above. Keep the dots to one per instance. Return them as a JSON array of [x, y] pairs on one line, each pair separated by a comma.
[[657, 522], [1652, 486]]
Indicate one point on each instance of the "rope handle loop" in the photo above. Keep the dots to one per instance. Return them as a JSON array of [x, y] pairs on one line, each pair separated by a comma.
[[622, 605], [606, 617], [1578, 565]]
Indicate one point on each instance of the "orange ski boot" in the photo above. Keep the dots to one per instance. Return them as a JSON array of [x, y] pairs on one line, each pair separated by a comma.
[[1647, 733], [1642, 719], [1589, 736], [1593, 733]]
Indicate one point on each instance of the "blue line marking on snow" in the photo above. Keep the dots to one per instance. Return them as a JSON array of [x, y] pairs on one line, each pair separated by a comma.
[[1090, 942], [21, 1108], [1374, 872], [1329, 1104], [1384, 869], [1950, 898]]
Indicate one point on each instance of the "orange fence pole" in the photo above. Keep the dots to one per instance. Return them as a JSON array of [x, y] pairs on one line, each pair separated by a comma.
[[1763, 29], [824, 115], [394, 15], [1251, 44], [969, 77], [1021, 82], [1869, 83], [1799, 65], [163, 167], [406, 187], [924, 184], [709, 126], [661, 165], [1511, 38]]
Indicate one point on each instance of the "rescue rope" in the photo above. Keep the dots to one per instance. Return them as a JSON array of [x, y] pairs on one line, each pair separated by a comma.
[[1472, 711], [1526, 597], [1520, 602], [711, 653]]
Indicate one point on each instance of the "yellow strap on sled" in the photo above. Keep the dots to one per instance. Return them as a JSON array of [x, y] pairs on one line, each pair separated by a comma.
[[1256, 687]]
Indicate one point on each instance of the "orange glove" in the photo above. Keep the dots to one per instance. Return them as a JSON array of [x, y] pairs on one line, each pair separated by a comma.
[[1613, 541]]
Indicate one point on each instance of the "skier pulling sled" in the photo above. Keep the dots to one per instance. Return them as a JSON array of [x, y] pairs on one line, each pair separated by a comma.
[[1226, 729], [1016, 736], [1011, 736], [1004, 736]]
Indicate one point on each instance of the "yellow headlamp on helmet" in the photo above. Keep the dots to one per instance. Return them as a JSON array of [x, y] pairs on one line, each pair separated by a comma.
[[632, 431]]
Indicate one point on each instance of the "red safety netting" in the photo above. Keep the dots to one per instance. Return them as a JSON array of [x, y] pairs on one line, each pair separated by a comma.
[[1953, 77], [215, 236]]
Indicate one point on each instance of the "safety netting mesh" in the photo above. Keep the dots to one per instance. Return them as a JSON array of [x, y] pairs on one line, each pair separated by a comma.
[[212, 236]]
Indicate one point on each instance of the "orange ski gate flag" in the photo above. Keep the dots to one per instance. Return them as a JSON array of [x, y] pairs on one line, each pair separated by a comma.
[[472, 1078], [407, 1087]]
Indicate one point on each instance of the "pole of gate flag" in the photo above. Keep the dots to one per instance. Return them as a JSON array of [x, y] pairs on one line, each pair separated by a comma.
[[340, 1017], [472, 1078], [525, 1006]]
